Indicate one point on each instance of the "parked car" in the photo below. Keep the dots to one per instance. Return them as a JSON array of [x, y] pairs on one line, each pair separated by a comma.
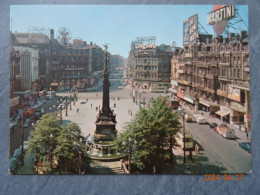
[[13, 163], [201, 119], [12, 123], [188, 118], [17, 153], [26, 123], [213, 125], [246, 146]]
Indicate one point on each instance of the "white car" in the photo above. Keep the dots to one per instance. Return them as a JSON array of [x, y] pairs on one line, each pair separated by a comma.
[[61, 106]]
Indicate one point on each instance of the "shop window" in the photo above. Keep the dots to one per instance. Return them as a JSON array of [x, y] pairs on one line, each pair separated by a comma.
[[241, 118], [234, 118]]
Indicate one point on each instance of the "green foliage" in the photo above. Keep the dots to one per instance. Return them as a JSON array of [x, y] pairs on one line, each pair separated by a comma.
[[153, 130], [64, 145]]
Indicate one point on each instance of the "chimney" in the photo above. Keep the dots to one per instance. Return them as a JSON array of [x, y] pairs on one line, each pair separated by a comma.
[[52, 34]]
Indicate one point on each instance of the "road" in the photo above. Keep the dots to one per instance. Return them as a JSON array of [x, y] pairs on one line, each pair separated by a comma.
[[16, 132], [220, 150]]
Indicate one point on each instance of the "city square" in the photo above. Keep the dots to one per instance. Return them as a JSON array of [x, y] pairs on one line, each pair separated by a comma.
[[80, 107]]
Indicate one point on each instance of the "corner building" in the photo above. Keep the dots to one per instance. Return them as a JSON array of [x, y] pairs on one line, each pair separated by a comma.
[[213, 75], [150, 66]]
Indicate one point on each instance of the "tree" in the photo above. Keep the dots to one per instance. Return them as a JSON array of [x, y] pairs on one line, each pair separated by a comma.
[[50, 139], [153, 130], [41, 140], [68, 146]]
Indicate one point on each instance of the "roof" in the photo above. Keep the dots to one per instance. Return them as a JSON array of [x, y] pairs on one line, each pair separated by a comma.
[[29, 38]]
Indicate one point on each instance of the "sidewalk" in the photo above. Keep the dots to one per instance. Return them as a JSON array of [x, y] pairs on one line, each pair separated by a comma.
[[28, 167], [241, 136], [199, 163]]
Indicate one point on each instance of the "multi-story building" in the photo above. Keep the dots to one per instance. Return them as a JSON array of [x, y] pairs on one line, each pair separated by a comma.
[[72, 64], [40, 42], [15, 80], [150, 66], [213, 75]]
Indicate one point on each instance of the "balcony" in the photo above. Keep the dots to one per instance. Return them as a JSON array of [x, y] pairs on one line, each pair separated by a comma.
[[209, 76], [222, 93], [202, 64], [184, 82], [188, 55]]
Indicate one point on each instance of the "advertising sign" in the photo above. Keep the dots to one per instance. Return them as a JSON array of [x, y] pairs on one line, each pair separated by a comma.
[[193, 28], [190, 30], [233, 93], [219, 17], [186, 32]]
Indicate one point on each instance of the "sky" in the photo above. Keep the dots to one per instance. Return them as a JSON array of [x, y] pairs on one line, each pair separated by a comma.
[[116, 25]]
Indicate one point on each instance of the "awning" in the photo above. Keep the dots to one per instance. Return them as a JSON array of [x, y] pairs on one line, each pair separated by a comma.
[[223, 112]]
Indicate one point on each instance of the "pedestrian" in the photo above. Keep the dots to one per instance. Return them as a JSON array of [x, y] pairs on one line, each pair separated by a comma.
[[96, 108], [198, 149], [118, 98], [77, 110], [128, 111], [87, 100], [91, 105], [114, 104], [131, 112]]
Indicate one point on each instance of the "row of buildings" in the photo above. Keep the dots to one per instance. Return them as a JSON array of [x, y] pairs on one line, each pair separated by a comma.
[[40, 62], [211, 74]]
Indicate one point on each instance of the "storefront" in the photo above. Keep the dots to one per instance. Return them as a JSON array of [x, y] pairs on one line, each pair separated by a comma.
[[224, 115], [238, 113]]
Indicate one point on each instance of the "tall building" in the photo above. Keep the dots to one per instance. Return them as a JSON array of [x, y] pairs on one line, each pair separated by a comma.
[[213, 75], [72, 64], [150, 66]]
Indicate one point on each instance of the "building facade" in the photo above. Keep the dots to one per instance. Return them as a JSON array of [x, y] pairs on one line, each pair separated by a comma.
[[213, 75], [150, 66]]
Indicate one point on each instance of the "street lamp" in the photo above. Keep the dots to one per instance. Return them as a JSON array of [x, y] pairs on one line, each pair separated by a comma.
[[129, 151], [66, 107], [79, 147], [51, 137], [22, 160], [184, 157]]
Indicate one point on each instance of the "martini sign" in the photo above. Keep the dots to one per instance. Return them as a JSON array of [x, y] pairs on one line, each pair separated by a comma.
[[219, 17]]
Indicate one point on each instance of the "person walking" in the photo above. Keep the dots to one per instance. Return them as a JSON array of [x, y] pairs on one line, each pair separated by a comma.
[[91, 105], [77, 110]]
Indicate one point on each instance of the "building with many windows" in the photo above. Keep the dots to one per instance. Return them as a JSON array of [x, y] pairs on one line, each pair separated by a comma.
[[213, 75], [150, 66]]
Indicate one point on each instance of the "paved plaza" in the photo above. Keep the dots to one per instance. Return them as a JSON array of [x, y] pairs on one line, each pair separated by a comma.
[[86, 116]]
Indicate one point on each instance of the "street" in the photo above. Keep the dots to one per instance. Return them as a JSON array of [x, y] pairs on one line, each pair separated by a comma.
[[219, 149]]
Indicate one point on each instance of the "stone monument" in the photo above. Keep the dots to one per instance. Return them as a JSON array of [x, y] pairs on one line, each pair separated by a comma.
[[106, 119]]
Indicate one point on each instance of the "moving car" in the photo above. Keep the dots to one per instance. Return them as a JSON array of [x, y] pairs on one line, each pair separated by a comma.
[[246, 146], [61, 106]]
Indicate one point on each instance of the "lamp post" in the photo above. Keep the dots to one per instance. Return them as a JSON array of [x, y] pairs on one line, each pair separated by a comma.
[[22, 160], [51, 139], [129, 152], [79, 147], [184, 157], [66, 107]]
